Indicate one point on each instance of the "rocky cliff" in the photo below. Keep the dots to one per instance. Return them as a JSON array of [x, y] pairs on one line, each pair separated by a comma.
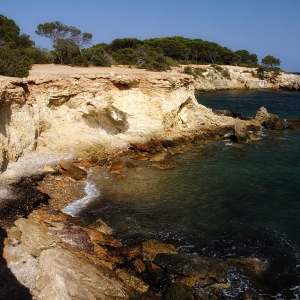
[[82, 113], [83, 110], [212, 78]]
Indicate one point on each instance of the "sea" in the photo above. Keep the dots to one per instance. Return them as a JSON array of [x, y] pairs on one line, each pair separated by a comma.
[[222, 200]]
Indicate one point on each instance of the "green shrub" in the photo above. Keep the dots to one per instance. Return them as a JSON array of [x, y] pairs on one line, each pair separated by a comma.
[[199, 73], [100, 61], [225, 73], [218, 68], [39, 56], [157, 66], [14, 63], [79, 60], [261, 71], [188, 70]]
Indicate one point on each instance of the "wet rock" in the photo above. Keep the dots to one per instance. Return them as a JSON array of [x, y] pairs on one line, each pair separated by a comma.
[[170, 143], [129, 252], [228, 113], [142, 147], [240, 132], [167, 163], [101, 226], [249, 265], [274, 123], [117, 167], [223, 112], [268, 120], [158, 156], [151, 248], [139, 265], [293, 123], [255, 137], [201, 267], [71, 171], [180, 291]]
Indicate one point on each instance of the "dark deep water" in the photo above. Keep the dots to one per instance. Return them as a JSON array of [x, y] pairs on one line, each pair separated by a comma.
[[221, 200]]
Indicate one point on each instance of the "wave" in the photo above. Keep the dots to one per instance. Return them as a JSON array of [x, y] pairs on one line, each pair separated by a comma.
[[91, 191]]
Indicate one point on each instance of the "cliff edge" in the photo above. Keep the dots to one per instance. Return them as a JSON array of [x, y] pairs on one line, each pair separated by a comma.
[[93, 109]]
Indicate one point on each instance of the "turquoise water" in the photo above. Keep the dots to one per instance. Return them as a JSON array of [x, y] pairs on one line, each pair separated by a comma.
[[221, 200]]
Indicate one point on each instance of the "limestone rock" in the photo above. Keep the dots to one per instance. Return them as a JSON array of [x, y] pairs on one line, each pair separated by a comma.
[[240, 132], [201, 267], [268, 120], [133, 281], [71, 171], [36, 238], [249, 265], [151, 248], [66, 275]]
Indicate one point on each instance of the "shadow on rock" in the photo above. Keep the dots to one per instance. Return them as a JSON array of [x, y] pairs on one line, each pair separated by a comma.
[[10, 287], [21, 200]]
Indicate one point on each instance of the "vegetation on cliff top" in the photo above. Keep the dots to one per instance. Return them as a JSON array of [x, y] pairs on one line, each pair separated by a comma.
[[18, 52]]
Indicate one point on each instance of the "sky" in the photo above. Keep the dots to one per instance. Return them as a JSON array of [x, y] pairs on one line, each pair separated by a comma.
[[263, 27]]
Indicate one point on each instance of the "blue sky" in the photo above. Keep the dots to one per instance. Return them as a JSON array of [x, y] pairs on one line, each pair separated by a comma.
[[263, 27]]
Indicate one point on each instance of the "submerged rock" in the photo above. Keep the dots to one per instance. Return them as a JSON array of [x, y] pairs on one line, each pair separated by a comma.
[[167, 163], [188, 265]]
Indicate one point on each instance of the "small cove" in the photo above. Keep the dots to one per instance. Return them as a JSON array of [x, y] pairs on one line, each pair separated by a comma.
[[221, 200]]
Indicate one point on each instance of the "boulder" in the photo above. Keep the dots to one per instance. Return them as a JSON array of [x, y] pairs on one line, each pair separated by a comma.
[[240, 132], [71, 171], [249, 265], [151, 248], [268, 120], [180, 291], [228, 113], [293, 123], [193, 266]]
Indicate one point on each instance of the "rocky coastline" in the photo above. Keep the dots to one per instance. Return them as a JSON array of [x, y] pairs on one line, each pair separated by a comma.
[[49, 255]]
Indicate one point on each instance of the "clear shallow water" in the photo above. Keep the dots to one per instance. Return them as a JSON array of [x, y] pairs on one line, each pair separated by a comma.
[[223, 201]]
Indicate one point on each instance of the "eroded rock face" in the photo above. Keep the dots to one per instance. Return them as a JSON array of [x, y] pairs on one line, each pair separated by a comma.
[[80, 114]]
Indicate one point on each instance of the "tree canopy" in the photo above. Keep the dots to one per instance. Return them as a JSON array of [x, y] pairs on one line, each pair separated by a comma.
[[17, 51], [66, 40], [270, 61]]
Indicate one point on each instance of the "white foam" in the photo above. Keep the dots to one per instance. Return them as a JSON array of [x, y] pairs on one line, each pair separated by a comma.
[[227, 135], [91, 193]]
